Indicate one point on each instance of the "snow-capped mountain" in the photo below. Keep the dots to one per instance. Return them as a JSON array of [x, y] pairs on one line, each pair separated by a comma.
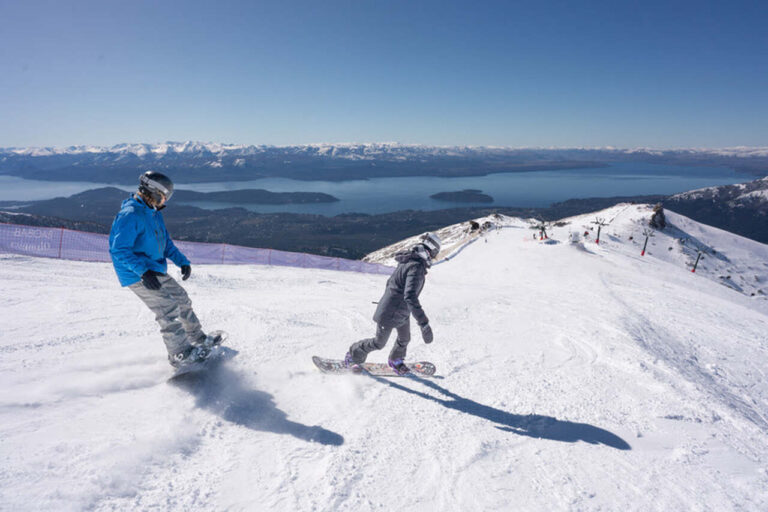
[[734, 196], [205, 162], [356, 150], [571, 376], [741, 208]]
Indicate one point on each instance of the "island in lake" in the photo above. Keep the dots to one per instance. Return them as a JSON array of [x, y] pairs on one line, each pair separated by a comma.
[[463, 196], [253, 196]]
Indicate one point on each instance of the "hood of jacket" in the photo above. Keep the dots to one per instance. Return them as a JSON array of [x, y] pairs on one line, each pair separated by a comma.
[[416, 253], [136, 201]]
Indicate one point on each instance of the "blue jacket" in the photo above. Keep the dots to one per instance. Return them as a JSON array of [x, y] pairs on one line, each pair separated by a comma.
[[139, 242]]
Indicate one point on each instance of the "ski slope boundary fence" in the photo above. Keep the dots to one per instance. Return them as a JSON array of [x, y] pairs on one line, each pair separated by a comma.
[[81, 246]]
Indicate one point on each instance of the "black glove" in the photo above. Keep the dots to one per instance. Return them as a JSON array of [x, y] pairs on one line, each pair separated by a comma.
[[149, 279], [186, 270], [426, 333]]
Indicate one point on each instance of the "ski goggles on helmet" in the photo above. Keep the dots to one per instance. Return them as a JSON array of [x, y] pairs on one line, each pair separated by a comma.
[[432, 242], [157, 186]]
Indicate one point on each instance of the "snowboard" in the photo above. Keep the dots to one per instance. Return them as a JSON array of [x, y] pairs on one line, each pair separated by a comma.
[[218, 354], [336, 366]]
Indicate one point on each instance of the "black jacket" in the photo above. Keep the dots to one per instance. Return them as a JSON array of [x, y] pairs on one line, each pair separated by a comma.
[[401, 297]]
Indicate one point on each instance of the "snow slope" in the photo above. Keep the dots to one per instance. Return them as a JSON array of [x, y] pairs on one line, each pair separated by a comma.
[[571, 377]]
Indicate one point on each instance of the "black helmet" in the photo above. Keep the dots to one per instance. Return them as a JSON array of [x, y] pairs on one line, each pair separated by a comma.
[[156, 186], [432, 242]]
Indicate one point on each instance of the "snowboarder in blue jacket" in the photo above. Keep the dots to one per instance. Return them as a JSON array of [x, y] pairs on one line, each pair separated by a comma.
[[139, 245]]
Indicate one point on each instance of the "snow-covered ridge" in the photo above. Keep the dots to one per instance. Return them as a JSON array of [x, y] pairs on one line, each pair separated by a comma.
[[761, 195], [454, 238], [679, 244], [738, 193], [359, 150]]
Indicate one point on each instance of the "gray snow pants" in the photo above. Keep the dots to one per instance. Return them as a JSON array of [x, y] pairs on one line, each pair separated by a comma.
[[362, 348], [173, 311]]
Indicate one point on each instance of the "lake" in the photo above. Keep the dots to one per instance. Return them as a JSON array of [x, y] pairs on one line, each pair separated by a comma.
[[381, 195]]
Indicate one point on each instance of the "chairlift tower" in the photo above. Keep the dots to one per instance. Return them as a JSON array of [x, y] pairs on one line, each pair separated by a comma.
[[542, 228], [698, 257], [600, 223], [648, 234]]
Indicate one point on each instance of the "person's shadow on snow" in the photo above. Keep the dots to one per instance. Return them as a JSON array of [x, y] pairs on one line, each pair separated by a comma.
[[220, 391], [532, 425]]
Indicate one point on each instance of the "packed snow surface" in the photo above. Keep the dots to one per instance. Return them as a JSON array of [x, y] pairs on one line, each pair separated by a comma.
[[571, 376]]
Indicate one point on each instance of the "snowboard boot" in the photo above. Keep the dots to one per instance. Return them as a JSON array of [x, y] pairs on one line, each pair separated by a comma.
[[193, 354], [351, 364], [213, 339], [398, 366]]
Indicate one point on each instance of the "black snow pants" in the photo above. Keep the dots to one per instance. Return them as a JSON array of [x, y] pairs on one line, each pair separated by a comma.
[[362, 348]]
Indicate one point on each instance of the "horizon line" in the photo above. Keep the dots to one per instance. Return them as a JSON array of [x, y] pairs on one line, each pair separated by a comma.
[[227, 145]]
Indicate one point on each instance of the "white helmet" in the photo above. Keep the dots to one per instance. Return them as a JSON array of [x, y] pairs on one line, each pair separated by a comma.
[[432, 242]]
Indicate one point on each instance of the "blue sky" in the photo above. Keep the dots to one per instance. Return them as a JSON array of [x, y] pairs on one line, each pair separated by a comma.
[[531, 73]]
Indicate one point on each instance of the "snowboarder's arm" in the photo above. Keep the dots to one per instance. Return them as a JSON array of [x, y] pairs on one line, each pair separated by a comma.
[[414, 282], [172, 252], [125, 230]]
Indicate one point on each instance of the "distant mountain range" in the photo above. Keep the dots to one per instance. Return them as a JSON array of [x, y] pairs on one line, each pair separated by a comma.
[[741, 209], [386, 150], [192, 162]]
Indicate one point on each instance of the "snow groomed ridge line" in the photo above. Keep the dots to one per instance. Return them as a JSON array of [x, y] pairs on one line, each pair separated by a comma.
[[457, 252], [66, 244], [463, 246]]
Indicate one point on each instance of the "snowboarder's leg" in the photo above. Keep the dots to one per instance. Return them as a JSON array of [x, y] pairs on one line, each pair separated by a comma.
[[164, 303], [187, 316], [360, 350], [401, 344]]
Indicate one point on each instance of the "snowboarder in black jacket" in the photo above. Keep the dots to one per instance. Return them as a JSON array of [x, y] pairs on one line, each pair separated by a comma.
[[399, 302]]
